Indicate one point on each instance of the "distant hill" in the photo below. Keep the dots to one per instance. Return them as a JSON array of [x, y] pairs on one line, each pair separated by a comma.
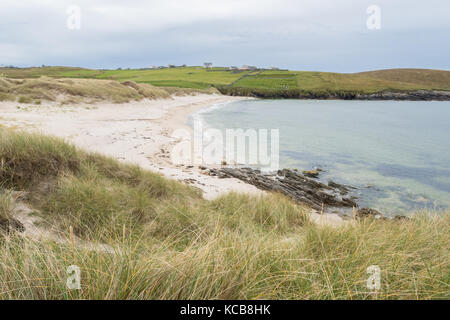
[[261, 82], [438, 79]]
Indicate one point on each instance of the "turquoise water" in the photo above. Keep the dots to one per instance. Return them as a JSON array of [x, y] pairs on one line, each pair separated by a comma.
[[396, 153]]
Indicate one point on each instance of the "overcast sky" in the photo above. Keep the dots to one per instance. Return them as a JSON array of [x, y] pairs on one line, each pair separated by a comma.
[[323, 35]]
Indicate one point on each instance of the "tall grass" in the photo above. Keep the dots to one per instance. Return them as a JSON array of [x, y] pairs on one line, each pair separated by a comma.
[[25, 158], [136, 235], [318, 263], [5, 206]]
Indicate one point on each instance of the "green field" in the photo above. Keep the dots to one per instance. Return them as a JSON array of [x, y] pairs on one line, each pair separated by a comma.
[[260, 82]]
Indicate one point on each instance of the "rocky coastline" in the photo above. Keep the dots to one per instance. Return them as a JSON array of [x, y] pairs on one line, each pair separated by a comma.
[[304, 188], [420, 95], [417, 95]]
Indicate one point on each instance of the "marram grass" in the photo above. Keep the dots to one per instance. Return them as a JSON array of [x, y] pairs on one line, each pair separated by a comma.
[[136, 235]]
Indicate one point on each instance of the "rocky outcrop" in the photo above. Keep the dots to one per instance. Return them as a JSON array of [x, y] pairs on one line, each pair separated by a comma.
[[367, 212], [319, 196], [294, 185], [418, 95], [362, 213], [425, 95]]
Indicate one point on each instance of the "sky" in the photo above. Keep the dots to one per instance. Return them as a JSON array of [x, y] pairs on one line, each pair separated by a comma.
[[318, 35]]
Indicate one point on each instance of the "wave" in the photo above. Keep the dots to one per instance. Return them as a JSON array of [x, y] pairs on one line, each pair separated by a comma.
[[198, 116]]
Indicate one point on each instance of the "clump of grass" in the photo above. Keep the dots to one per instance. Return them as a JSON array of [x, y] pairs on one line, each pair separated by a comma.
[[5, 205], [273, 213], [97, 208], [24, 99], [7, 222], [5, 97], [24, 159], [413, 257]]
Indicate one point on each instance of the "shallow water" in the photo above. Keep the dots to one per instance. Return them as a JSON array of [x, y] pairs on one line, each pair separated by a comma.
[[396, 153]]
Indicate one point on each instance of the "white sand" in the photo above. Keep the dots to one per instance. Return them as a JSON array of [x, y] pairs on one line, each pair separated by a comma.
[[136, 132]]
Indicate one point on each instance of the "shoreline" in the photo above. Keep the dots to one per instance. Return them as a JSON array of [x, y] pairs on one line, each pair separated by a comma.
[[137, 133], [408, 95], [134, 132]]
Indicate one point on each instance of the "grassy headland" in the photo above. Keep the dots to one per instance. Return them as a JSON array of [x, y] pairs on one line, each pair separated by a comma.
[[261, 83], [166, 242]]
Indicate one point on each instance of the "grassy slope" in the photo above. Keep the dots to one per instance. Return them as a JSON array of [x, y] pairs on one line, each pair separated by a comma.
[[171, 244], [63, 90], [436, 79], [270, 81]]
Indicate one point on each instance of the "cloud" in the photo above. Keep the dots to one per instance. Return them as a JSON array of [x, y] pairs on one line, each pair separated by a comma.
[[312, 35]]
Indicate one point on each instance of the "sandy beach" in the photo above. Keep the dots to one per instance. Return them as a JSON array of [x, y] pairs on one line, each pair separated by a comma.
[[135, 132]]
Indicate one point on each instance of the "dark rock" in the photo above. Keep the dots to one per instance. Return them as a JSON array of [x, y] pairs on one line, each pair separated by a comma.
[[424, 95], [302, 189], [416, 95], [11, 225], [190, 180], [292, 184], [400, 218], [367, 212]]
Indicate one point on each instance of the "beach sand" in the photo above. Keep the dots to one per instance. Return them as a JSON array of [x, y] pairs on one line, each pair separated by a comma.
[[135, 132]]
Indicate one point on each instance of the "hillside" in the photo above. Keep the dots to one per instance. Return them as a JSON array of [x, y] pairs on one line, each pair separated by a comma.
[[65, 90], [137, 235], [263, 83], [436, 79]]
